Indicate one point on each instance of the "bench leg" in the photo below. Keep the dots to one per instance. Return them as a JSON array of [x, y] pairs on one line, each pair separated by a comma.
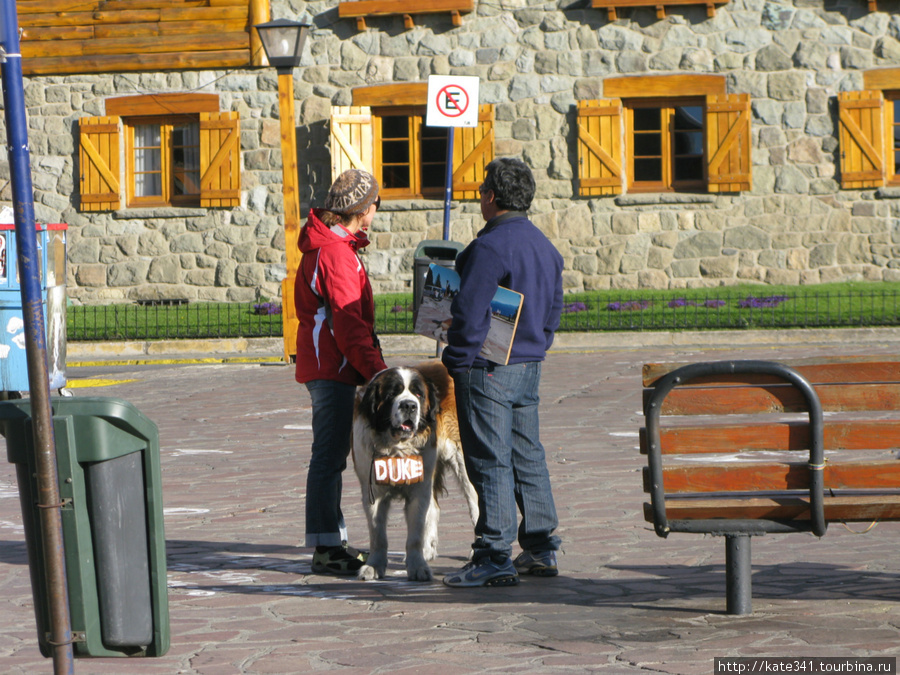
[[737, 574]]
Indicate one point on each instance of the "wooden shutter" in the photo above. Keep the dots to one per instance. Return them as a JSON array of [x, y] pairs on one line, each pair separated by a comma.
[[473, 150], [352, 146], [599, 147], [98, 160], [728, 142], [862, 139], [220, 159]]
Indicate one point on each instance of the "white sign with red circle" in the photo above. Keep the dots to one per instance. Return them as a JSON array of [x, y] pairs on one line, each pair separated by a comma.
[[452, 101]]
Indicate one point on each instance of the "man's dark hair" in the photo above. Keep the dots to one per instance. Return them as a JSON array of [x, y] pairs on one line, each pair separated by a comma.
[[512, 183]]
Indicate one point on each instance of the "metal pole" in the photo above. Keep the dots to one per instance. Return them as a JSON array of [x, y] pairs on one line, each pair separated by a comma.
[[448, 187], [738, 593], [28, 261]]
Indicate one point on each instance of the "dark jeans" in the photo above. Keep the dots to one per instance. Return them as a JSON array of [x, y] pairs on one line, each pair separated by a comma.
[[498, 423], [332, 404]]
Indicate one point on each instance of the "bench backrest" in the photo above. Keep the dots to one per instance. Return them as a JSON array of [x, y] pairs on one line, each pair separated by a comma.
[[738, 463]]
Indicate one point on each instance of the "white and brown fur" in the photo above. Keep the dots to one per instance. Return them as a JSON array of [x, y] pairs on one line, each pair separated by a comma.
[[401, 412]]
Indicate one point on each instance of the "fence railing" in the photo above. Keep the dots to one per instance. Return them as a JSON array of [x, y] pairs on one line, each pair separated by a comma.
[[625, 311]]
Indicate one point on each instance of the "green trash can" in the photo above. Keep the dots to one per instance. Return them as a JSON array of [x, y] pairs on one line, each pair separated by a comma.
[[107, 455]]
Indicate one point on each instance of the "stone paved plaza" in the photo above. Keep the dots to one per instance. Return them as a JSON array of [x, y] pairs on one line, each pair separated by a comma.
[[235, 446]]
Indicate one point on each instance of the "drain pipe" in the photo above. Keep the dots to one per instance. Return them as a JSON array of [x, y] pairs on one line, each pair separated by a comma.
[[28, 261]]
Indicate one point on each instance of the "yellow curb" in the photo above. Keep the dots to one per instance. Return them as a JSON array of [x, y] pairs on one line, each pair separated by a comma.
[[82, 384]]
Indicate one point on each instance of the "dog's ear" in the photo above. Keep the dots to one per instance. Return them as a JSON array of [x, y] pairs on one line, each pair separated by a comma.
[[369, 403], [434, 403]]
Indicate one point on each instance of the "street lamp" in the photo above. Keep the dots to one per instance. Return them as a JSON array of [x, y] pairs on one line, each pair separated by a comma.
[[283, 42]]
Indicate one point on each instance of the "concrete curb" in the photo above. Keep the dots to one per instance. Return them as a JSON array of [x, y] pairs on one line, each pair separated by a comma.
[[270, 349]]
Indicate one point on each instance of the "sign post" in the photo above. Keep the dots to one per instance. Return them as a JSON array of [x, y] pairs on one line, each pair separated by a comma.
[[452, 102]]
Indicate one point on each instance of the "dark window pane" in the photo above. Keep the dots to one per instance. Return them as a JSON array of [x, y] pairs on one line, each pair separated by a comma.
[[897, 136], [647, 170], [434, 176], [395, 176], [395, 127], [395, 152], [647, 119], [897, 111], [689, 117], [688, 168], [647, 144], [897, 163], [434, 149], [688, 143]]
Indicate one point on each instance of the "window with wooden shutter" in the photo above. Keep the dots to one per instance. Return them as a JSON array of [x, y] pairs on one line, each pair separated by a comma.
[[98, 158], [728, 142], [599, 147], [220, 159], [387, 135], [473, 150], [351, 139], [862, 139]]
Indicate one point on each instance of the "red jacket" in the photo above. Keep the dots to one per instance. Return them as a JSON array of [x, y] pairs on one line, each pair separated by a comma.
[[336, 338]]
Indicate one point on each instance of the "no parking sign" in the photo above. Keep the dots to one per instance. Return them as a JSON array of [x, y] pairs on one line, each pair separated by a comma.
[[452, 101]]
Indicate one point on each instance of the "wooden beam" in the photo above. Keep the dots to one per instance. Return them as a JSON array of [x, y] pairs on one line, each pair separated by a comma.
[[353, 8], [162, 104], [137, 63], [136, 45], [648, 86], [410, 93]]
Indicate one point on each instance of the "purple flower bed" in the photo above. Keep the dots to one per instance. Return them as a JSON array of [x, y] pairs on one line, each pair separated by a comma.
[[396, 309], [265, 308], [770, 301], [681, 302], [573, 307], [628, 306]]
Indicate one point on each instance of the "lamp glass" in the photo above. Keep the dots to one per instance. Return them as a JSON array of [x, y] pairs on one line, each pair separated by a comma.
[[283, 41]]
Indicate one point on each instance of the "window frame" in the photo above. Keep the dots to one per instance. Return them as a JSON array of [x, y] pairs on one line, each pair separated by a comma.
[[667, 183], [891, 137], [168, 197], [416, 123]]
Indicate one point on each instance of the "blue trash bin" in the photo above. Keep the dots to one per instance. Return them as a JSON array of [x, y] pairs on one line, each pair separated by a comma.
[[51, 244]]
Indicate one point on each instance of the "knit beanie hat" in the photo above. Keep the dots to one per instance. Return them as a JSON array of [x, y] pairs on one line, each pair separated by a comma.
[[353, 192]]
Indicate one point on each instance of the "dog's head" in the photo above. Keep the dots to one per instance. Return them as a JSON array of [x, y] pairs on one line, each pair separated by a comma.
[[400, 402]]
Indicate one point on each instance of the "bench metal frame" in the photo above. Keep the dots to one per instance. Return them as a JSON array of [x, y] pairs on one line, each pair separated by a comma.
[[737, 533]]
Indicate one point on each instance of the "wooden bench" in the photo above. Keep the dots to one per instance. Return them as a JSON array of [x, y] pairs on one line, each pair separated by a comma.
[[755, 466]]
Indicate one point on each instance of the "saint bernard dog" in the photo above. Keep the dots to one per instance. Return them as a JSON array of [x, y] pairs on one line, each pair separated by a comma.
[[405, 444]]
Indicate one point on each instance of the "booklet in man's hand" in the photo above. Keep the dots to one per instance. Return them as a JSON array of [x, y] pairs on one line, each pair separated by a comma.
[[433, 318]]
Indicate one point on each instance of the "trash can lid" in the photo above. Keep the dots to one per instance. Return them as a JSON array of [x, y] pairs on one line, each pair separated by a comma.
[[439, 248]]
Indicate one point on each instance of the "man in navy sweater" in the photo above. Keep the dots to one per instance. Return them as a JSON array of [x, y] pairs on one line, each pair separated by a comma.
[[498, 404]]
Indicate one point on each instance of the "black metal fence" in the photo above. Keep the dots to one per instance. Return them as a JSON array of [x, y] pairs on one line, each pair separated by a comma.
[[608, 311]]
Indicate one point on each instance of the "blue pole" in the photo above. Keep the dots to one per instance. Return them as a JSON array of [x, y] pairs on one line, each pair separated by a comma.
[[448, 188], [28, 261]]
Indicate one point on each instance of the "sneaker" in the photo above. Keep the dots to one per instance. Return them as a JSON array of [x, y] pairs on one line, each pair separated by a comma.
[[341, 560], [538, 563], [485, 572]]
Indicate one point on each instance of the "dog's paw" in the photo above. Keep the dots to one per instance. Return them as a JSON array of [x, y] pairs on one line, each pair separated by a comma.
[[369, 573], [419, 572]]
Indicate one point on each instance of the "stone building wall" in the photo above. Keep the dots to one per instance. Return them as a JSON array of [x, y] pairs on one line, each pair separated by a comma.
[[534, 61]]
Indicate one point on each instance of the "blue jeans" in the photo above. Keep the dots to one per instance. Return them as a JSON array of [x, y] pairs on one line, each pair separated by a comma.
[[332, 423], [499, 429]]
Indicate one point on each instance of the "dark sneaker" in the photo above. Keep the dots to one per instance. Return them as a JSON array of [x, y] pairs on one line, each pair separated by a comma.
[[538, 563], [485, 572], [340, 560]]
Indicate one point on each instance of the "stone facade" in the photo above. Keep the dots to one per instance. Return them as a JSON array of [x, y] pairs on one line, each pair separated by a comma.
[[535, 61]]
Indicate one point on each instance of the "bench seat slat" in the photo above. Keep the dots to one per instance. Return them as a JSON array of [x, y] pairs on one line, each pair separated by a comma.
[[779, 436], [856, 508], [691, 400], [753, 476], [817, 371]]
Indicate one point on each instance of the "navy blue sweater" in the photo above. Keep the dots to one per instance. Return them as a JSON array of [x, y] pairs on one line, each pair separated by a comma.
[[510, 251]]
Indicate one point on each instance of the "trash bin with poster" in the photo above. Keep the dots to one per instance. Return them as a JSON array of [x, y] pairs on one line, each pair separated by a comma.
[[51, 246], [438, 251]]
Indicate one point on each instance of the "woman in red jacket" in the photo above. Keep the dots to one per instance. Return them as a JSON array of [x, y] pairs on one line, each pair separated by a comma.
[[337, 349]]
